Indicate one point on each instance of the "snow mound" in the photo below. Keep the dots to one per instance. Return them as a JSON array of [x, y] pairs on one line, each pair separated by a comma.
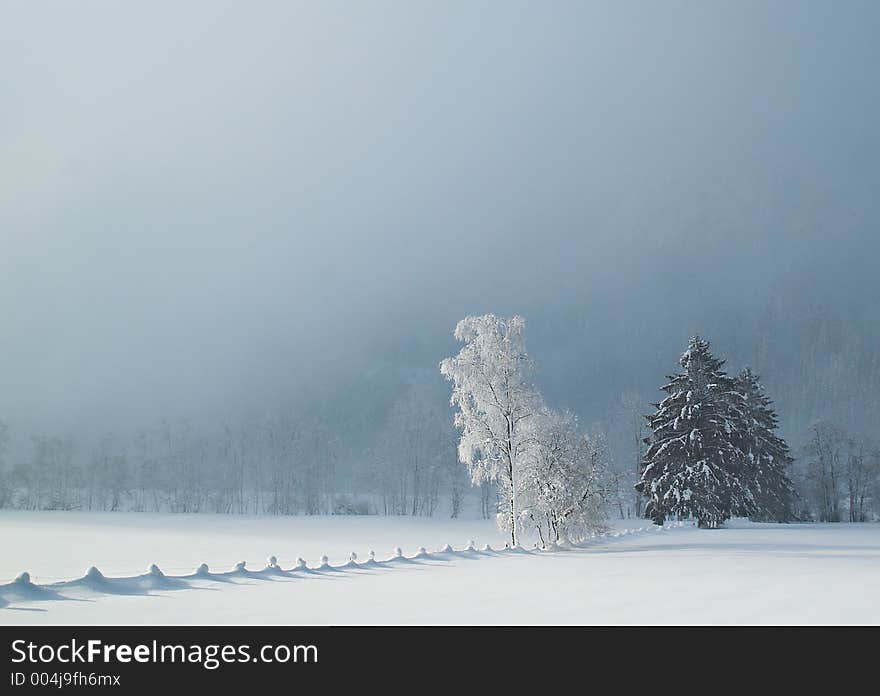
[[519, 549], [272, 567], [96, 581], [447, 549], [22, 588], [154, 578], [399, 557]]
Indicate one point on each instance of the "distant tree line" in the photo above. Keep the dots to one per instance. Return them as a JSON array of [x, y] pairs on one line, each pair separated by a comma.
[[303, 462], [270, 465], [838, 475]]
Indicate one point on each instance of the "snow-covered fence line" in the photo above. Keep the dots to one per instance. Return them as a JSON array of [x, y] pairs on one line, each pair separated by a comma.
[[610, 535], [22, 588]]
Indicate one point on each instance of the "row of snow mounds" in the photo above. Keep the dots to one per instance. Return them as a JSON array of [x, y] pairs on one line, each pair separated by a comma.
[[155, 578], [23, 589]]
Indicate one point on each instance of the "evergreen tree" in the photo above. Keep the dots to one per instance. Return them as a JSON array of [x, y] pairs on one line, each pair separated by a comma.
[[692, 464], [765, 455]]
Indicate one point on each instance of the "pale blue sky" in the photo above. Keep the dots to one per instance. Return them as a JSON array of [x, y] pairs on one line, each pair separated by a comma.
[[203, 203]]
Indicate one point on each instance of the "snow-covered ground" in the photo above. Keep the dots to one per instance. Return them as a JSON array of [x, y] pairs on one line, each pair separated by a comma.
[[743, 573]]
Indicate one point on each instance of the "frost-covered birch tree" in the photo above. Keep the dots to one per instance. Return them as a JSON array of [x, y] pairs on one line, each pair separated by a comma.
[[497, 406]]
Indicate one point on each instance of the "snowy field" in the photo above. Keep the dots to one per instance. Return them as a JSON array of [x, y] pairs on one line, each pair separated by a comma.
[[744, 573]]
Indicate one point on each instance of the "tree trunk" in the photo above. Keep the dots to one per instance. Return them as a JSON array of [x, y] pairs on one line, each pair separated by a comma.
[[512, 504]]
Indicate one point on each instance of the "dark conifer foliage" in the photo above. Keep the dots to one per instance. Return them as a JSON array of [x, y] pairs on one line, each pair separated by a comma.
[[766, 456], [714, 452], [693, 466]]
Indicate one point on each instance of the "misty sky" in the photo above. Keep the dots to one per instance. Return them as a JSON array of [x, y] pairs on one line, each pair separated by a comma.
[[205, 205]]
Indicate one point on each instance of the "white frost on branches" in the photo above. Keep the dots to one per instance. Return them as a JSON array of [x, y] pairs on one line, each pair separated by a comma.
[[549, 475], [564, 489], [497, 405]]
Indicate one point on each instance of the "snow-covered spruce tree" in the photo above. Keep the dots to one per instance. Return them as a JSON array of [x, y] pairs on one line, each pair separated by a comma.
[[563, 483], [691, 467], [766, 456], [497, 406]]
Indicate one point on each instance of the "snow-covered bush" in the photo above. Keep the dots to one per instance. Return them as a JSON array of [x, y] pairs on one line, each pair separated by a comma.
[[563, 481]]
